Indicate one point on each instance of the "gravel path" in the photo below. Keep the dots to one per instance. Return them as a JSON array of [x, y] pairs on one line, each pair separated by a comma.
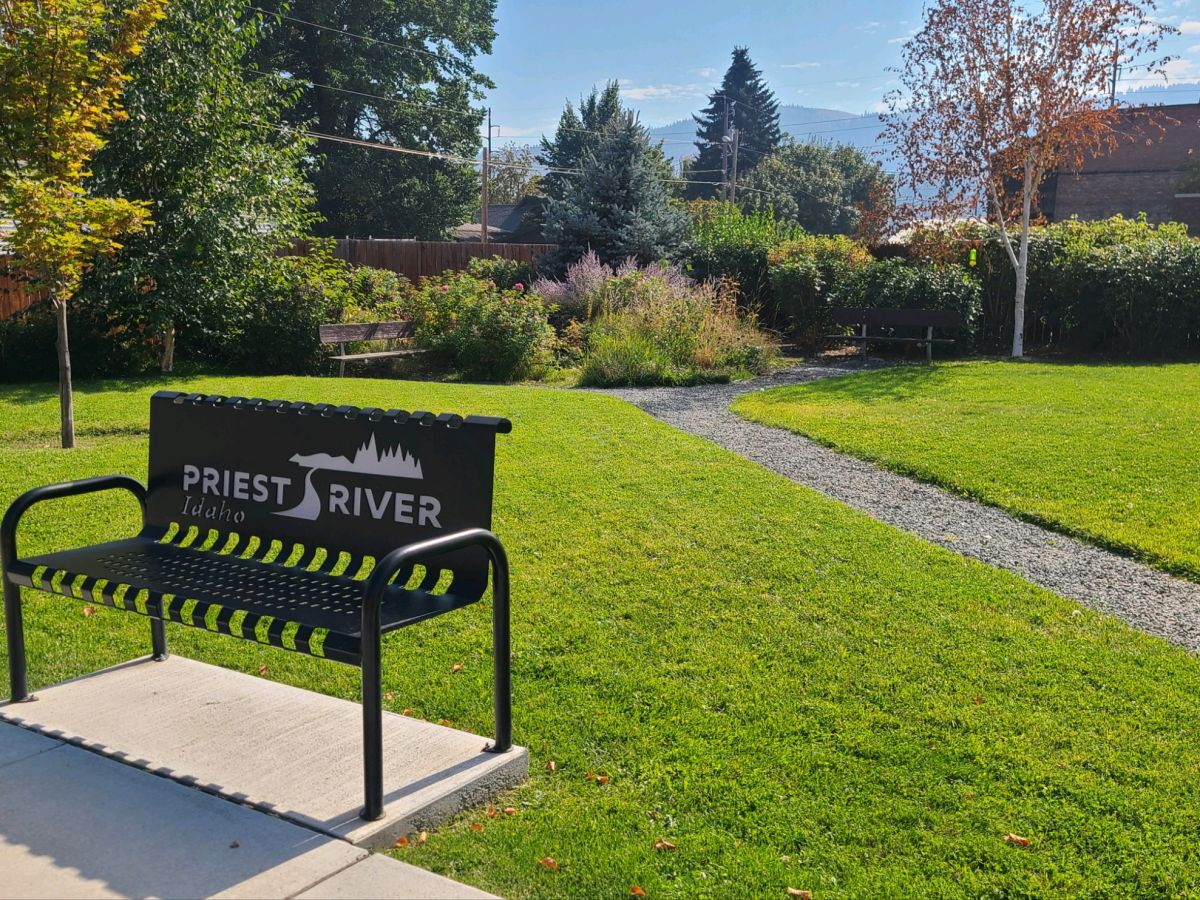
[[1146, 598]]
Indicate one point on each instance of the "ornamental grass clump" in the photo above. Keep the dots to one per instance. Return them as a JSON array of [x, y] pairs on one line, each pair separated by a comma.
[[653, 330]]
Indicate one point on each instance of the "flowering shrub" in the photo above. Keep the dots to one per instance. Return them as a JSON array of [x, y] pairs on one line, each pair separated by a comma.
[[590, 286], [479, 330], [507, 273]]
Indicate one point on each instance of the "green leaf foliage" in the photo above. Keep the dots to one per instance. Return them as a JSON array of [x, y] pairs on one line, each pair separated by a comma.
[[823, 188], [227, 193], [422, 65]]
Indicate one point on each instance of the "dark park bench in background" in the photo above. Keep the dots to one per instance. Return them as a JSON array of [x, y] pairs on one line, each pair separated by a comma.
[[865, 319], [349, 332], [258, 516]]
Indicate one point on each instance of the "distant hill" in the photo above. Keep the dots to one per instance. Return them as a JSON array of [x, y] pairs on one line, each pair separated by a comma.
[[807, 123]]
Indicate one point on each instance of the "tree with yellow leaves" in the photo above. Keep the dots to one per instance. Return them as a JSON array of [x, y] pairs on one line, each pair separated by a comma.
[[61, 75]]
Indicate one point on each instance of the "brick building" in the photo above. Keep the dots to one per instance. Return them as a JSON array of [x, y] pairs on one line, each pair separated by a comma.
[[1137, 177]]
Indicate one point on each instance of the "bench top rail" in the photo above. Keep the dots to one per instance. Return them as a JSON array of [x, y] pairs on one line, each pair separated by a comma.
[[370, 331], [879, 317], [316, 476]]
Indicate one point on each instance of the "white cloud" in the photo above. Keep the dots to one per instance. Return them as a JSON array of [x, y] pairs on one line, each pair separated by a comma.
[[1182, 70], [706, 72], [870, 26], [848, 84], [653, 92], [899, 39], [1189, 26], [800, 65]]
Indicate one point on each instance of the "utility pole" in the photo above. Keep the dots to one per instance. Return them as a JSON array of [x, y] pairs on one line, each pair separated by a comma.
[[725, 149], [483, 194], [733, 181]]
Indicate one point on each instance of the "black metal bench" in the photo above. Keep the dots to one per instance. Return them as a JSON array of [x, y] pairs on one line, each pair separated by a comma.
[[297, 525], [867, 318], [348, 332]]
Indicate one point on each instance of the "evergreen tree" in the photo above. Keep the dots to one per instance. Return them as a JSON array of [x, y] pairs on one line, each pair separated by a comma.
[[227, 189], [619, 207], [577, 134], [753, 111]]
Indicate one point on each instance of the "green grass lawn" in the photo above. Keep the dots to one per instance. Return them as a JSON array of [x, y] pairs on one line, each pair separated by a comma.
[[790, 692], [1108, 452]]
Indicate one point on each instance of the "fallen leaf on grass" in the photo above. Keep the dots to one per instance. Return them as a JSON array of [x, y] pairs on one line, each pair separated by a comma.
[[636, 891], [262, 670], [89, 611], [799, 893], [456, 668], [407, 712], [552, 766], [401, 841], [978, 701], [389, 696], [663, 844], [1017, 840], [510, 810], [601, 779], [549, 862], [491, 812], [422, 837], [591, 776], [446, 722], [475, 826]]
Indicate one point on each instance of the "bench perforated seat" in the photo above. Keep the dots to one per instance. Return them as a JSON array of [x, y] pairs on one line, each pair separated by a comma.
[[207, 590]]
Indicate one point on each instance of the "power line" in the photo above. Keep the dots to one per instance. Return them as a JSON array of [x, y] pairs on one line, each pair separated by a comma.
[[351, 34], [402, 102]]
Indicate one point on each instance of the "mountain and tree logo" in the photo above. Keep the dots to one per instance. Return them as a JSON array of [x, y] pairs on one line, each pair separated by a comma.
[[368, 460]]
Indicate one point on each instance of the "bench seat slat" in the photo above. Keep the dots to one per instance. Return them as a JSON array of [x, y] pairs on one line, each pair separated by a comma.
[[871, 338], [345, 332], [382, 354]]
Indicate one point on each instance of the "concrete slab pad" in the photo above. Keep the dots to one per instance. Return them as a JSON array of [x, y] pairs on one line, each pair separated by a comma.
[[17, 743], [384, 878], [291, 752], [73, 824]]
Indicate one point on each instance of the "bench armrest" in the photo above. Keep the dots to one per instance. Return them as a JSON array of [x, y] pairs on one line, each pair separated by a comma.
[[8, 527], [387, 567]]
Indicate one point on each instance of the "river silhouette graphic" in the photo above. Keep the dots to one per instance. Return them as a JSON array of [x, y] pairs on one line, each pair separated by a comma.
[[368, 460]]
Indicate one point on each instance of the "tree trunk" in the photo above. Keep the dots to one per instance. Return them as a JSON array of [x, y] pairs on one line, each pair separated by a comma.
[[1022, 267], [66, 398], [168, 353]]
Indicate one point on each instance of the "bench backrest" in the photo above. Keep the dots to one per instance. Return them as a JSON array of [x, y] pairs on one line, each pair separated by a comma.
[[344, 333], [364, 481], [889, 318]]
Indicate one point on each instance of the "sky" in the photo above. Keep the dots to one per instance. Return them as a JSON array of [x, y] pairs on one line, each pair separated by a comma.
[[668, 54]]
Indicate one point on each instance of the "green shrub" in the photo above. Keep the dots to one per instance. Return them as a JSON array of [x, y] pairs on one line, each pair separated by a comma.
[[506, 273], [479, 330], [806, 273], [278, 333], [1119, 285], [896, 284], [727, 243]]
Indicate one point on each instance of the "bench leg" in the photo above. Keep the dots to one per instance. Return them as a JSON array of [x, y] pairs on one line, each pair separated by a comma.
[[372, 705], [501, 657], [14, 629], [929, 344], [158, 639]]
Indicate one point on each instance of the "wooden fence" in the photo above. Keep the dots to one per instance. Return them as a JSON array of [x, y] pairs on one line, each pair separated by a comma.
[[15, 294], [416, 259]]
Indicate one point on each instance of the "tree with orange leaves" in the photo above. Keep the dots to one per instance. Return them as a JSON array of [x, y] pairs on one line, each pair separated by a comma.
[[61, 74], [996, 94]]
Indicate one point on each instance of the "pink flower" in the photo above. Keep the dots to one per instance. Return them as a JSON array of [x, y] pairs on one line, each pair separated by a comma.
[[445, 288], [518, 286]]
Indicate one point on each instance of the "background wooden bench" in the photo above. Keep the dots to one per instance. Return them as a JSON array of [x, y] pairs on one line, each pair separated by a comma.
[[348, 332], [867, 318]]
